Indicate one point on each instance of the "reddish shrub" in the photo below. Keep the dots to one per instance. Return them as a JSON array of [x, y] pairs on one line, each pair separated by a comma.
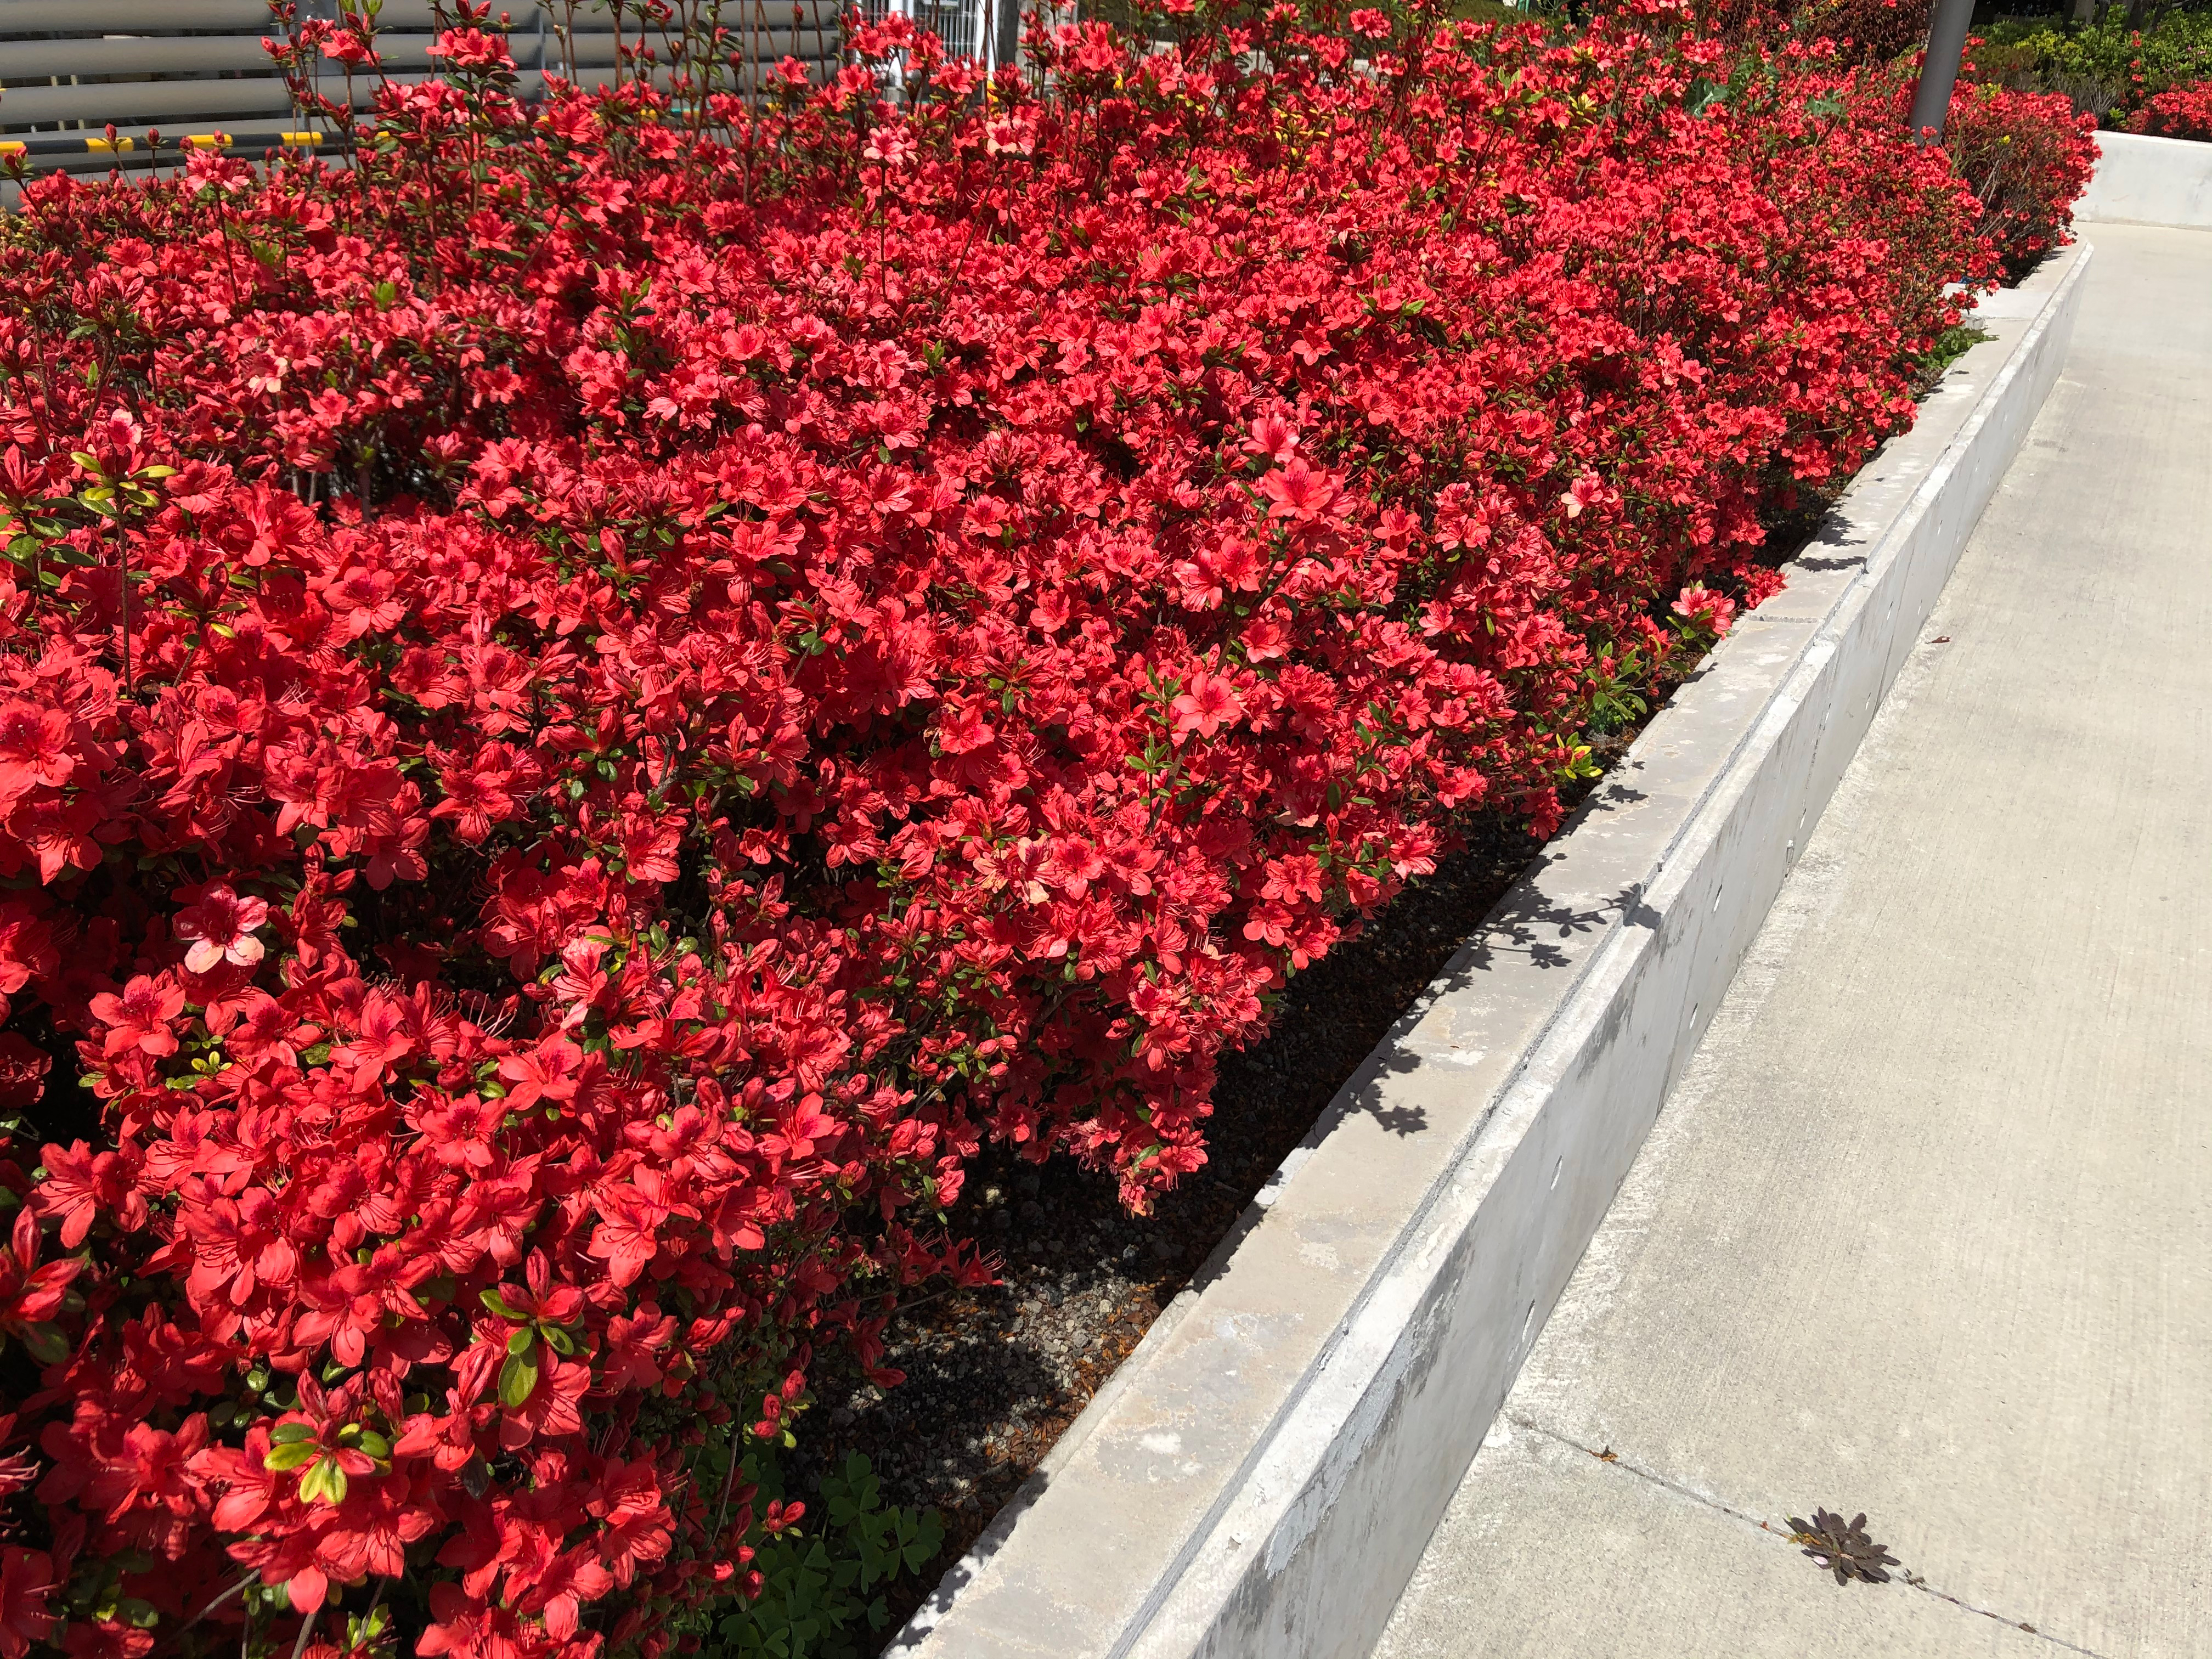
[[587, 707], [2028, 156], [1861, 30], [2179, 112], [1879, 30]]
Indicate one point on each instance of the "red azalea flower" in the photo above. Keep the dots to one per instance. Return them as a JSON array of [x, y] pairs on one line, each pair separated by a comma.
[[220, 925], [26, 1618], [23, 1068]]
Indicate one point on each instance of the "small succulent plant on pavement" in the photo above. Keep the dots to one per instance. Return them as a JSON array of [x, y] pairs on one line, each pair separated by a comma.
[[1844, 1547]]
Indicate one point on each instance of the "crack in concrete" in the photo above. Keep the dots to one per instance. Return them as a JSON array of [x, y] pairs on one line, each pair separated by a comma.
[[1903, 1575]]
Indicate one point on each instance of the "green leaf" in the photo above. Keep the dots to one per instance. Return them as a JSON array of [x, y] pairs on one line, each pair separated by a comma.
[[519, 1343], [919, 1552], [497, 1304], [518, 1381], [282, 1458], [285, 1433], [324, 1482]]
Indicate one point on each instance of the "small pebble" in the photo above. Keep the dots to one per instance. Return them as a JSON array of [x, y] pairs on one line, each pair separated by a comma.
[[1163, 1250]]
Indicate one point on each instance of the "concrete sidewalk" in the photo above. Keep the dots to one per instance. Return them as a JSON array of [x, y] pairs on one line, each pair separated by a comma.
[[1923, 1231]]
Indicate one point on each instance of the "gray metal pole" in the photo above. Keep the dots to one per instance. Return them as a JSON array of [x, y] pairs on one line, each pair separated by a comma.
[[1947, 44]]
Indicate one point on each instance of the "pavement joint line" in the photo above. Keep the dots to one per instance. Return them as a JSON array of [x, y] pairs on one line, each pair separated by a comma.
[[1903, 1576]]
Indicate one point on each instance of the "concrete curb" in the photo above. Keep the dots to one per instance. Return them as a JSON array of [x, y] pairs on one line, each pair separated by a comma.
[[1260, 1476], [2142, 180]]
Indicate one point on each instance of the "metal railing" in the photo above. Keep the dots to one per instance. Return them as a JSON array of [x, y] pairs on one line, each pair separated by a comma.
[[989, 30], [195, 71]]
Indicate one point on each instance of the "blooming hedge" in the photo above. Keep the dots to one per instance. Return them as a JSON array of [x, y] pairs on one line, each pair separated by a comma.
[[2183, 111], [589, 705], [1873, 31], [2028, 156], [2107, 68]]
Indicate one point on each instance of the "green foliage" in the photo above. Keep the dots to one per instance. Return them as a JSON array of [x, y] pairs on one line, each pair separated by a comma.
[[1616, 685], [1951, 344], [822, 1586], [2105, 68]]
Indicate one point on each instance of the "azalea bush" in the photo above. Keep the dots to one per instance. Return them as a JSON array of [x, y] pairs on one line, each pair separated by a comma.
[[1872, 31], [2183, 111], [2106, 69], [2028, 156], [591, 704]]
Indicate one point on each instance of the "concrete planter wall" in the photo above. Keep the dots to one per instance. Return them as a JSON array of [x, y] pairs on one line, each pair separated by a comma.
[[1260, 1476], [2150, 181]]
